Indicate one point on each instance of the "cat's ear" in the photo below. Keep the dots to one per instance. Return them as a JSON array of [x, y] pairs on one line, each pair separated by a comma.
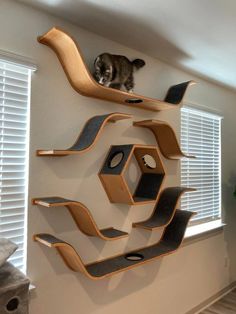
[[138, 63], [97, 62]]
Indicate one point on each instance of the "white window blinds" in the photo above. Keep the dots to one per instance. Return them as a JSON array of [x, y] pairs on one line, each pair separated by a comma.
[[201, 136], [14, 107]]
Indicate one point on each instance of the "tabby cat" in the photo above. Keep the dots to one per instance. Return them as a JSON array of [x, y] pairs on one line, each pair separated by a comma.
[[116, 71]]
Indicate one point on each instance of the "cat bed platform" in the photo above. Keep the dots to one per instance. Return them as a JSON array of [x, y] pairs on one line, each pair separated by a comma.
[[71, 59], [82, 217], [165, 208], [169, 243], [165, 137], [88, 136]]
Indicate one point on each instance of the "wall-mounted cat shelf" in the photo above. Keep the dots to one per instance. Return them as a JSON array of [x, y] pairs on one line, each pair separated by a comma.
[[112, 174], [165, 137], [82, 217], [169, 243], [88, 137], [165, 208], [82, 81]]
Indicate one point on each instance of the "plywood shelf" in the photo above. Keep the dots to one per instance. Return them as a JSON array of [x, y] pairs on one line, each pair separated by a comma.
[[88, 137], [114, 181], [169, 243], [165, 208], [82, 217], [165, 137], [70, 56]]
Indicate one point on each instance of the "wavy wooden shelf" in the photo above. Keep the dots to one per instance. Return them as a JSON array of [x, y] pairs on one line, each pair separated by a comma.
[[114, 181], [88, 136], [169, 243], [165, 137], [165, 208], [70, 56], [82, 217]]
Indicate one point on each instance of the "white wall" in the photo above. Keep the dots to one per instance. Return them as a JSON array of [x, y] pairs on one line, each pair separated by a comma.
[[171, 285]]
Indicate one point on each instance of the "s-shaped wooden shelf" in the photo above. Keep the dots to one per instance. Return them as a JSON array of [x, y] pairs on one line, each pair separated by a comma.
[[82, 217], [70, 56], [88, 137], [169, 243], [165, 137], [165, 208]]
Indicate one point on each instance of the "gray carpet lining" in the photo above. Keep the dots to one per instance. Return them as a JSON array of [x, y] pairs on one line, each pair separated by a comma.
[[164, 208], [89, 133], [176, 93], [112, 233], [171, 240], [148, 186]]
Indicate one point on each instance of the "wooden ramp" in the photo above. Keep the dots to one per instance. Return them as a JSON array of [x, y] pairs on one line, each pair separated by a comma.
[[88, 137], [82, 217], [164, 210], [169, 243], [165, 137], [70, 56]]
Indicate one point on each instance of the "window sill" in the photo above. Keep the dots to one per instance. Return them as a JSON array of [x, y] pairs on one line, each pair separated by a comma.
[[200, 232]]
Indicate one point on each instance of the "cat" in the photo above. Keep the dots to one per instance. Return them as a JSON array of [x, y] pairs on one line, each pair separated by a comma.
[[116, 71]]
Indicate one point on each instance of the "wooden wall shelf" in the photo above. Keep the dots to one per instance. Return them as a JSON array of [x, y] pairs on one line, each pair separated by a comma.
[[113, 177], [88, 137], [165, 208], [165, 137], [70, 56], [169, 243], [82, 217]]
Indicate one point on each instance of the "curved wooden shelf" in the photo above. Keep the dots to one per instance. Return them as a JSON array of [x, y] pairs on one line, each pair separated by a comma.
[[114, 181], [165, 137], [82, 218], [169, 243], [71, 59], [165, 208], [88, 136]]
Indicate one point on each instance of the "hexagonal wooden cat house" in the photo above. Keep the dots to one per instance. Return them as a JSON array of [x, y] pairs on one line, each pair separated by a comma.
[[112, 174]]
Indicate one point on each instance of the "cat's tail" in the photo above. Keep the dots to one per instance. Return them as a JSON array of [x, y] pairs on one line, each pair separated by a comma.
[[138, 63]]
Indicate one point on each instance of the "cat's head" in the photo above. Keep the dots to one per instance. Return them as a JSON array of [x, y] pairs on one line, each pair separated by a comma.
[[103, 69]]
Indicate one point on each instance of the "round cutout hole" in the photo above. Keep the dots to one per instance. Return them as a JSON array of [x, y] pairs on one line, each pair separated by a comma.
[[134, 257], [12, 305], [134, 100], [149, 161], [116, 159]]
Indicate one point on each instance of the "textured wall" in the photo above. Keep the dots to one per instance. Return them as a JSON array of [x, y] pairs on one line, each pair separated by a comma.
[[58, 113]]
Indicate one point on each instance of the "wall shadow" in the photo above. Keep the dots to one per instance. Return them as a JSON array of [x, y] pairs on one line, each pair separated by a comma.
[[229, 217]]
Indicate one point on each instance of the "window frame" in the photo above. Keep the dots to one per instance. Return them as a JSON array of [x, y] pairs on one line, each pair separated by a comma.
[[208, 223], [11, 59]]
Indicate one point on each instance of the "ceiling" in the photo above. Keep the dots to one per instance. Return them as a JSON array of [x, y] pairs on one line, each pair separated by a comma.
[[196, 35]]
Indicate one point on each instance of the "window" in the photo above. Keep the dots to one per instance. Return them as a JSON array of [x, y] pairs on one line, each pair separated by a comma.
[[14, 124], [201, 136]]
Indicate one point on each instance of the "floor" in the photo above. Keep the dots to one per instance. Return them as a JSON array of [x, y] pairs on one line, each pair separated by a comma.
[[226, 305]]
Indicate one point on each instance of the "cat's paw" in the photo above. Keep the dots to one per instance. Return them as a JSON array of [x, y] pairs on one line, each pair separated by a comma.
[[107, 84]]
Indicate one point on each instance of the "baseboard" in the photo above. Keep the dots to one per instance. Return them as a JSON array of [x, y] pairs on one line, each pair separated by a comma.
[[202, 306]]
